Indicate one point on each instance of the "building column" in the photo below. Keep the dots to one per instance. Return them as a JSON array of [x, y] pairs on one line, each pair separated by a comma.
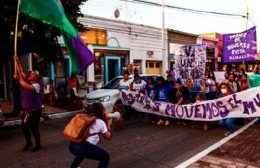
[[90, 72]]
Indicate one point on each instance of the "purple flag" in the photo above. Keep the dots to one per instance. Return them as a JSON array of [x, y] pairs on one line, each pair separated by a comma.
[[239, 47], [81, 56]]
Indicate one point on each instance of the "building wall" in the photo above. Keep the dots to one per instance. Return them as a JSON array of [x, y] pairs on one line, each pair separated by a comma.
[[135, 38]]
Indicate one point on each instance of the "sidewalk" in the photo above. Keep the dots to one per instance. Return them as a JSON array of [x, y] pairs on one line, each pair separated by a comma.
[[241, 151], [49, 112]]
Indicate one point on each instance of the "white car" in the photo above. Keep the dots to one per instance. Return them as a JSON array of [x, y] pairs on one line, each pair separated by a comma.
[[108, 95]]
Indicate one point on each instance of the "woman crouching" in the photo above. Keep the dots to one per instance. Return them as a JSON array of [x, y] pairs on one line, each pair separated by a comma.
[[89, 148]]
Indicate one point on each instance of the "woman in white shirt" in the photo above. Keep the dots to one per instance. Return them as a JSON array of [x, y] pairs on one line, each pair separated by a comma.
[[138, 85], [212, 86], [89, 148], [124, 84]]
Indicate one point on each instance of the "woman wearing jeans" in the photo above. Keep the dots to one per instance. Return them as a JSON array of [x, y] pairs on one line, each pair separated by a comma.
[[89, 148], [228, 122]]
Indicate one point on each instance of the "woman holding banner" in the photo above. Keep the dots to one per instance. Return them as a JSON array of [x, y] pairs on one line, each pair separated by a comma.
[[228, 122], [162, 94], [124, 84], [182, 93], [150, 91]]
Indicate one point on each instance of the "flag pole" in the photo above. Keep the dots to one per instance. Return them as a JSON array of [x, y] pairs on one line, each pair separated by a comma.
[[15, 35], [247, 16]]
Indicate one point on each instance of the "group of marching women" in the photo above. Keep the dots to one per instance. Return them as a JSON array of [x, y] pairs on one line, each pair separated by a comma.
[[177, 92]]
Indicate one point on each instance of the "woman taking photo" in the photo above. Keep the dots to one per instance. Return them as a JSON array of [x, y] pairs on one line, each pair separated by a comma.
[[89, 148]]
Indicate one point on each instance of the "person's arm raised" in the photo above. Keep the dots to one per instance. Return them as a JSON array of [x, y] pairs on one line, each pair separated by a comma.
[[25, 85], [19, 67]]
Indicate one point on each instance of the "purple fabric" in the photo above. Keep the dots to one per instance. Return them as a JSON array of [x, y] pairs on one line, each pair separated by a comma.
[[85, 56], [31, 99], [240, 47]]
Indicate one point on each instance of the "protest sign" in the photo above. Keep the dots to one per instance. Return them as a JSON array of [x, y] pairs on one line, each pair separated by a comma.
[[238, 105], [240, 47], [190, 62]]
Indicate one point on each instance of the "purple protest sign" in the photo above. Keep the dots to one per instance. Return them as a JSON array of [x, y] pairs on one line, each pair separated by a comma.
[[239, 47]]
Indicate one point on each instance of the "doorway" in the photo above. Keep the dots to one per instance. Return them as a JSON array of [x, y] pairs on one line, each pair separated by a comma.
[[154, 67], [112, 68]]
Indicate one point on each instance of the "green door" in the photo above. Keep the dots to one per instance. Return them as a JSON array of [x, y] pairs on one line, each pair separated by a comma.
[[112, 68]]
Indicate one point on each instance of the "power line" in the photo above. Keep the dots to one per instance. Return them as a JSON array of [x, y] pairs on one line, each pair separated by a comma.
[[192, 10], [184, 9]]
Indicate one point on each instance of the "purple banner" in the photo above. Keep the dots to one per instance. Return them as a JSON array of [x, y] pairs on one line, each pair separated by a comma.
[[240, 47]]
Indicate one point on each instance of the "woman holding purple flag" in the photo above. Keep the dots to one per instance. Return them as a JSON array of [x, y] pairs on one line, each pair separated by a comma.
[[31, 105]]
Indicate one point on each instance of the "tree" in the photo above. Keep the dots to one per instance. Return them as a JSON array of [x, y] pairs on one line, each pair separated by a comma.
[[33, 35]]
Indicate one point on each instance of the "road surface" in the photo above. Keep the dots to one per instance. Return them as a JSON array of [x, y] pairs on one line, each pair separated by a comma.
[[138, 145]]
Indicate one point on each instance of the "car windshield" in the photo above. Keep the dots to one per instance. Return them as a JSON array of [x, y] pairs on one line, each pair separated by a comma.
[[113, 83]]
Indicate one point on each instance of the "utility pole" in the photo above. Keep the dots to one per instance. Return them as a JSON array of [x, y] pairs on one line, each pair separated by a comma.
[[164, 56], [247, 16]]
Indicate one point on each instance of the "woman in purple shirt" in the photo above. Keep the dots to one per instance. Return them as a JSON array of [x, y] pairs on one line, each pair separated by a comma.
[[31, 105]]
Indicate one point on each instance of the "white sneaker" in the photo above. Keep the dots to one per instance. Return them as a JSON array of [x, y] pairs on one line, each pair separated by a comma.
[[160, 122], [167, 123], [227, 134]]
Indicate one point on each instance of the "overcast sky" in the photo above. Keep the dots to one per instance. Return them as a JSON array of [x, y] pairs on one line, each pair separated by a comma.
[[183, 20]]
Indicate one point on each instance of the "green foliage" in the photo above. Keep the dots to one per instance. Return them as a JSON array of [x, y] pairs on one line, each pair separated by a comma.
[[33, 35]]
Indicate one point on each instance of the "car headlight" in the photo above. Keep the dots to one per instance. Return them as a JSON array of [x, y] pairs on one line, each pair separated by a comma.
[[104, 98], [96, 100]]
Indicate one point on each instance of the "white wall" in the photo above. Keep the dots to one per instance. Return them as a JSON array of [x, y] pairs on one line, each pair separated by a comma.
[[137, 38]]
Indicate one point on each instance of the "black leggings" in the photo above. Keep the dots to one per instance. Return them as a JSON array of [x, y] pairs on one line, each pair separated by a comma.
[[33, 124]]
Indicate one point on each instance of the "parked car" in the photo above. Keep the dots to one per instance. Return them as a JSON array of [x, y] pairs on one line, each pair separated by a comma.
[[108, 95]]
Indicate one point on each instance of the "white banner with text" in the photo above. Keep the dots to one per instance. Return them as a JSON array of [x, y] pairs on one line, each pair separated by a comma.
[[244, 104]]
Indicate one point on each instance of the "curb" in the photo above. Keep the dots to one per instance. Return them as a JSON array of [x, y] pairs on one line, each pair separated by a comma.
[[45, 118]]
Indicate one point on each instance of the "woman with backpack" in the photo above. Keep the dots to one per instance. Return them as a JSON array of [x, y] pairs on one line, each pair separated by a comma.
[[88, 148]]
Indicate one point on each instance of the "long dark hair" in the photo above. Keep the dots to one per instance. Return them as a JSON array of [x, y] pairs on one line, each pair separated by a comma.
[[213, 77], [99, 111]]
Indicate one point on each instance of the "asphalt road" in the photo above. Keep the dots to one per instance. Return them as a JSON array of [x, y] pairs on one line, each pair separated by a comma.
[[138, 145]]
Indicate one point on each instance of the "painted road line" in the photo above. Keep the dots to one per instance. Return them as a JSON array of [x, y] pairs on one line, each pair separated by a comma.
[[50, 116], [214, 146]]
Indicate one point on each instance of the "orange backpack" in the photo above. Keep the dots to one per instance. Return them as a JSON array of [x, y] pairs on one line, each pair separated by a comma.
[[78, 128]]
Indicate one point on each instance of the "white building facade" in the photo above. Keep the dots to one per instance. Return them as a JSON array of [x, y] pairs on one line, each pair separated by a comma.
[[120, 45]]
